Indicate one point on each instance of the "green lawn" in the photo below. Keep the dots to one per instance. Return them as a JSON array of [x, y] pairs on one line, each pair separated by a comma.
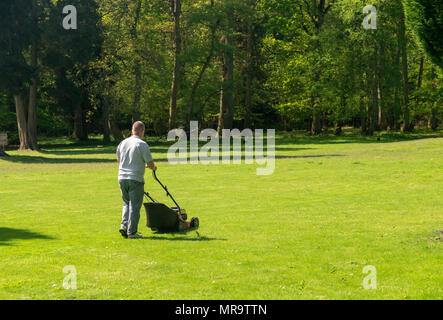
[[333, 206]]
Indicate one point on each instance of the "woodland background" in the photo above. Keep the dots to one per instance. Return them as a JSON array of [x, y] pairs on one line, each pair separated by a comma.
[[284, 64]]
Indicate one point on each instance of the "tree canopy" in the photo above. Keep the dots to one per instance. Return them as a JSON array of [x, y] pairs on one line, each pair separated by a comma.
[[286, 64], [425, 17]]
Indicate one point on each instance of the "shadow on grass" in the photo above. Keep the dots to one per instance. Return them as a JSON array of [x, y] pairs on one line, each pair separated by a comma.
[[276, 157], [179, 236], [291, 141], [37, 159], [80, 151], [8, 234], [309, 156], [161, 148], [297, 139], [67, 143]]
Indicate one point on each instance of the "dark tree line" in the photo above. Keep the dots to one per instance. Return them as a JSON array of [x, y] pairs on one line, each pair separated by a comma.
[[285, 64]]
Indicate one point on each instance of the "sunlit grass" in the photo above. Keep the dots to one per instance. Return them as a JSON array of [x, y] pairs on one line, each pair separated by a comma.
[[332, 206]]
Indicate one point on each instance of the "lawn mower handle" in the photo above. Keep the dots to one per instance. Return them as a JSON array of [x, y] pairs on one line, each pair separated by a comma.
[[166, 189]]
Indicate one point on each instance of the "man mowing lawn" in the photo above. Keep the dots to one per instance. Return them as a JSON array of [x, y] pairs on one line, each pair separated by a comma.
[[133, 156]]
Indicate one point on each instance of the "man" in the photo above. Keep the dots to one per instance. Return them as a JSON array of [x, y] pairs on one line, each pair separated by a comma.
[[133, 156]]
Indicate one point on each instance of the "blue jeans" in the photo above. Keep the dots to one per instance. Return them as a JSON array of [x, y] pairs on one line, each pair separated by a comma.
[[132, 194]]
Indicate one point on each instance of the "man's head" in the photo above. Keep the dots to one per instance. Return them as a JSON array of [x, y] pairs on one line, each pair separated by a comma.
[[138, 129]]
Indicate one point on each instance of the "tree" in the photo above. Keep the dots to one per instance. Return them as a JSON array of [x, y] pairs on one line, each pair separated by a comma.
[[15, 72], [68, 56], [176, 10], [404, 58], [226, 115], [137, 64], [285, 64], [37, 15], [208, 15], [316, 10], [425, 17]]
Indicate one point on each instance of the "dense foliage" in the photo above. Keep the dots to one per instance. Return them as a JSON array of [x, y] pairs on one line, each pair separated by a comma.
[[284, 64], [426, 19]]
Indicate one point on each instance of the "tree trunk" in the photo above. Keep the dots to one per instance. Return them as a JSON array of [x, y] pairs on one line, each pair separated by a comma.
[[137, 93], [175, 12], [420, 72], [419, 79], [248, 75], [403, 47], [191, 113], [115, 130], [137, 67], [316, 114], [316, 11], [373, 85], [228, 99], [220, 124], [226, 116], [32, 107], [80, 130], [78, 121], [373, 107], [381, 123], [21, 122], [337, 128], [363, 111], [106, 129], [381, 117], [433, 121], [316, 117], [396, 108]]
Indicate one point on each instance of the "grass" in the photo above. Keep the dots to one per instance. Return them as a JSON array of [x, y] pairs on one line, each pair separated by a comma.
[[333, 206]]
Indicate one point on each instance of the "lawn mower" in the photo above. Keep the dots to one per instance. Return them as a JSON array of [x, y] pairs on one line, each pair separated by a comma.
[[162, 218]]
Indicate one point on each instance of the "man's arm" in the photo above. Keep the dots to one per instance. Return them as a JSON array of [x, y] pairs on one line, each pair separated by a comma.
[[148, 157], [118, 153]]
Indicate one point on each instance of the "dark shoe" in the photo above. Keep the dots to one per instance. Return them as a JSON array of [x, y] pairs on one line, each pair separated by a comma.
[[124, 232], [135, 236], [194, 223]]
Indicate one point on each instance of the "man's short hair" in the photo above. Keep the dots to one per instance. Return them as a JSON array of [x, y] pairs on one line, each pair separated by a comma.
[[138, 127]]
